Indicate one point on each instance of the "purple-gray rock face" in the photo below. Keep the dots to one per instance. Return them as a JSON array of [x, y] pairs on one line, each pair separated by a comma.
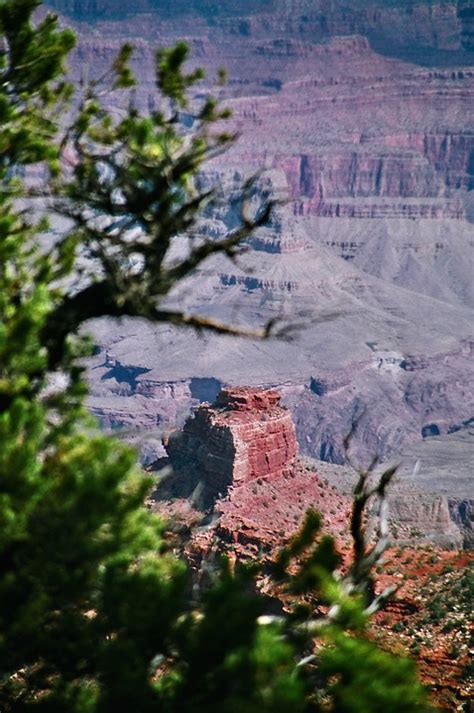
[[440, 25], [362, 115]]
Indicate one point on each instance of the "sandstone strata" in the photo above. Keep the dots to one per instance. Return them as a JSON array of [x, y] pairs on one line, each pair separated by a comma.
[[245, 435], [240, 455]]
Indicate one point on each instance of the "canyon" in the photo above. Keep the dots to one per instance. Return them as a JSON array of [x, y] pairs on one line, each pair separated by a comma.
[[262, 502], [361, 117]]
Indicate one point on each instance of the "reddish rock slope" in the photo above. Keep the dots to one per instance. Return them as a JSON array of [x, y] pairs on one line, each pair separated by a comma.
[[238, 459]]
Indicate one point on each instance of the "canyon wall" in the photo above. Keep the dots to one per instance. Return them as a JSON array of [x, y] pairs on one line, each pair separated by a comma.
[[357, 133], [441, 25]]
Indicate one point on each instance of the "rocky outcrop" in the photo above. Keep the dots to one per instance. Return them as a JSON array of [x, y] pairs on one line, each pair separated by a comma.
[[243, 436], [237, 458], [415, 515]]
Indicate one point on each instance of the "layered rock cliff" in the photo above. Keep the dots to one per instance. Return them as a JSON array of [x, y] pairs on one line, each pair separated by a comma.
[[245, 435], [237, 458], [356, 133], [440, 24]]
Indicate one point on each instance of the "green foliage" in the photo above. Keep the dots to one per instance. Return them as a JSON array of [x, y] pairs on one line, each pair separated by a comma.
[[368, 680], [96, 615], [32, 76], [244, 666]]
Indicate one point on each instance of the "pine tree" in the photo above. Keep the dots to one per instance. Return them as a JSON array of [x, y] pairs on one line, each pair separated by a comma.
[[95, 611]]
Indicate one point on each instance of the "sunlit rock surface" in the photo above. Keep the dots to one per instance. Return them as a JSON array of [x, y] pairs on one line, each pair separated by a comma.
[[245, 435]]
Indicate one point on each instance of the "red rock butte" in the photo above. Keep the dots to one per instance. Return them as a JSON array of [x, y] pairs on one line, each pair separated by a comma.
[[246, 434]]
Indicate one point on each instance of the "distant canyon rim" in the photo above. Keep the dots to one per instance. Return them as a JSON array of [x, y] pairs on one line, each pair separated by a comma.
[[362, 115]]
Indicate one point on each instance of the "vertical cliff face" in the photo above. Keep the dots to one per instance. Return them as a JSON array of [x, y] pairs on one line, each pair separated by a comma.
[[409, 166], [466, 18], [243, 436]]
